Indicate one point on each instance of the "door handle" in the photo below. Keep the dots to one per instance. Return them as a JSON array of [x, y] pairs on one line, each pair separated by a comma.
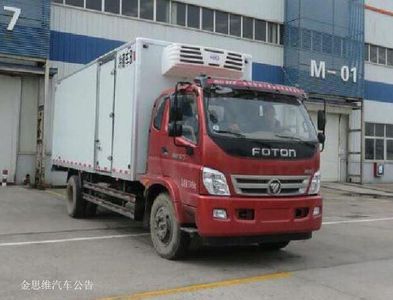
[[164, 151]]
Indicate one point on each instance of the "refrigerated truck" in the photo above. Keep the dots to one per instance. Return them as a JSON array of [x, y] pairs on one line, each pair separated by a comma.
[[179, 137]]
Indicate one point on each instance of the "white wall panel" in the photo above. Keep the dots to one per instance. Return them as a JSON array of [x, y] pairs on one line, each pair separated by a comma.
[[378, 112], [378, 26], [378, 73]]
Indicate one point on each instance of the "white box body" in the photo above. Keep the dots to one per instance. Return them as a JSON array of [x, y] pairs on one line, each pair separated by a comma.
[[103, 111]]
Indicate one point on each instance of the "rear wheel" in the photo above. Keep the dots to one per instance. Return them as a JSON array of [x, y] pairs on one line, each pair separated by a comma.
[[168, 239], [75, 202], [274, 246]]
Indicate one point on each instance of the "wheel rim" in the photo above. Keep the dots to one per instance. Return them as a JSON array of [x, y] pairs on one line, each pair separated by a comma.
[[163, 225]]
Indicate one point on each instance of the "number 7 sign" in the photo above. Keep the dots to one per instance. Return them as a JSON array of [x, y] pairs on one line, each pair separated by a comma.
[[15, 16]]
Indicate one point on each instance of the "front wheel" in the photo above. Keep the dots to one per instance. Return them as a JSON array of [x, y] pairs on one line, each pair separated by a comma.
[[168, 239]]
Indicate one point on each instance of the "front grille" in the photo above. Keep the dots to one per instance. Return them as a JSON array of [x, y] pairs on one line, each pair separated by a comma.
[[254, 185]]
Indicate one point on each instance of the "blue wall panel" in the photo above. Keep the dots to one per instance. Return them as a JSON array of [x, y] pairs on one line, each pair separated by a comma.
[[268, 73], [78, 49], [30, 36], [378, 91]]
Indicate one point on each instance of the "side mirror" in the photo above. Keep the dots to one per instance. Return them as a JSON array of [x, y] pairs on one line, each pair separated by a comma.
[[175, 129], [321, 138], [321, 120]]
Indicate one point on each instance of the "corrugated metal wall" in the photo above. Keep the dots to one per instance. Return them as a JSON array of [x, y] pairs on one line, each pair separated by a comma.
[[327, 31], [30, 36]]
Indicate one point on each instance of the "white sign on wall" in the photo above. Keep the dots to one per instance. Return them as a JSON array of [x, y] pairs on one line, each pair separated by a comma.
[[319, 70]]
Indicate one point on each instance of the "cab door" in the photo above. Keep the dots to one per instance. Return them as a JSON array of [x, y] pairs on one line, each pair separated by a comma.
[[181, 156], [157, 135]]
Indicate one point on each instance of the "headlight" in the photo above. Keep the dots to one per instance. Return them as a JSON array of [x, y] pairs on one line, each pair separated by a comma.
[[315, 184], [215, 182]]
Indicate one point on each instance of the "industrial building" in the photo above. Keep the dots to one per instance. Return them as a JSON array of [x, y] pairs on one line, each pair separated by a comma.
[[339, 51]]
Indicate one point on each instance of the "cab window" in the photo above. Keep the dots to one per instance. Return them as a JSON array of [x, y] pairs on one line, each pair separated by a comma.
[[159, 113], [190, 120]]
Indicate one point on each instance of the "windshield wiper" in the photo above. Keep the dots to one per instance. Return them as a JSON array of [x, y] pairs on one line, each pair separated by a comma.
[[230, 132], [294, 138]]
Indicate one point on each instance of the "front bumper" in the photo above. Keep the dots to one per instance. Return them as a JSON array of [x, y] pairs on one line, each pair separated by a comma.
[[270, 216]]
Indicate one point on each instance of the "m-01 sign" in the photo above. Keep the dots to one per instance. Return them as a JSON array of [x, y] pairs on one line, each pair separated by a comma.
[[346, 73], [24, 28]]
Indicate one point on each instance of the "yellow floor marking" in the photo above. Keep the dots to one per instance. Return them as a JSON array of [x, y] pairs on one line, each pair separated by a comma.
[[198, 287], [55, 193]]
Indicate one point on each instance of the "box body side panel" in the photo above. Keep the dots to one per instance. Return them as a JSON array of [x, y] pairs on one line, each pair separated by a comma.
[[123, 112], [75, 120]]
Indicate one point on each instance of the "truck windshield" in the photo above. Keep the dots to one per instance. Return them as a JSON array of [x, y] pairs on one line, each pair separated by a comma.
[[259, 116]]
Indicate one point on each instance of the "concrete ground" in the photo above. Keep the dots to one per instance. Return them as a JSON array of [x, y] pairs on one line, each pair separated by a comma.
[[44, 254]]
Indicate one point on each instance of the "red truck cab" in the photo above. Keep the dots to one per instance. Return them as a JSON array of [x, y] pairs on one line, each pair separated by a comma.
[[232, 161]]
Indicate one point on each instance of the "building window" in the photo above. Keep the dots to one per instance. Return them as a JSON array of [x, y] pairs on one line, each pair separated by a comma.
[[293, 36], [389, 149], [79, 3], [112, 6], [337, 46], [369, 149], [162, 11], [146, 9], [366, 52], [378, 55], [94, 4], [222, 22], [248, 28], [374, 54], [382, 55], [207, 19], [58, 1], [389, 131], [317, 41], [378, 138], [260, 30], [327, 43], [379, 130], [193, 16], [390, 57], [370, 129], [282, 34], [306, 39], [235, 25], [379, 149], [178, 13], [273, 33], [129, 8]]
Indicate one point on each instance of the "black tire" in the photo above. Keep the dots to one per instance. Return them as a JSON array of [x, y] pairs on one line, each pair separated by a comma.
[[75, 203], [274, 246], [168, 239]]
